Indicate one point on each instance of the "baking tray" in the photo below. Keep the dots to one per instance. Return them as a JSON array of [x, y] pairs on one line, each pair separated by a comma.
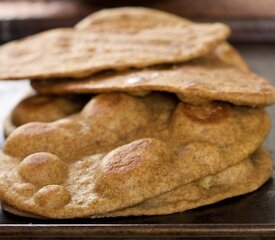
[[244, 216]]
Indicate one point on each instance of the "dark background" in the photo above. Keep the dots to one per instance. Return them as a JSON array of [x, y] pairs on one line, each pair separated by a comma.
[[251, 20]]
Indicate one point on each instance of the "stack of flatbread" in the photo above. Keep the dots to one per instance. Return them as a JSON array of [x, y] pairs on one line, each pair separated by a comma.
[[135, 112]]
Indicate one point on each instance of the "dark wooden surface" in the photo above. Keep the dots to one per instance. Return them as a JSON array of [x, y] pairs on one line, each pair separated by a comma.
[[243, 216], [250, 20]]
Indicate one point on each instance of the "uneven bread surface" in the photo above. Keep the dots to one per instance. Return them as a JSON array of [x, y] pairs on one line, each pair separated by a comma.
[[222, 75], [43, 108], [112, 154], [160, 134], [78, 53], [128, 19], [244, 177]]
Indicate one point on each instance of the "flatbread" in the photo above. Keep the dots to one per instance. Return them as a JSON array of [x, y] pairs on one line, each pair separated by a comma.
[[222, 75], [230, 55], [78, 53], [112, 154], [128, 19], [133, 18], [244, 177], [43, 108]]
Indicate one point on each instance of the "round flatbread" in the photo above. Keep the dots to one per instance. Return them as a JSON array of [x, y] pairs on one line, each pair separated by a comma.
[[222, 75], [128, 19], [242, 178], [78, 53], [112, 154]]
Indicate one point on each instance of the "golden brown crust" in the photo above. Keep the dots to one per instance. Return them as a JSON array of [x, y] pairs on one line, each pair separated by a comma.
[[241, 178], [18, 212], [245, 177], [253, 91], [128, 19], [42, 108], [230, 55], [222, 75], [119, 147], [79, 53], [126, 154]]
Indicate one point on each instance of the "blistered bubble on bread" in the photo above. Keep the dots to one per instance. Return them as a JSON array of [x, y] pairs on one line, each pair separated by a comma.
[[52, 196], [43, 169], [42, 108], [112, 154], [244, 177], [161, 138], [45, 108]]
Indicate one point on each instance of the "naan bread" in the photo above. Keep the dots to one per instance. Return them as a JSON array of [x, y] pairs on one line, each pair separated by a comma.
[[128, 19], [222, 75], [244, 177], [122, 150], [43, 108], [79, 53]]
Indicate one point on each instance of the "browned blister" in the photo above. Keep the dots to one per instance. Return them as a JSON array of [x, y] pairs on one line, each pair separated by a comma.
[[122, 150], [182, 130]]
